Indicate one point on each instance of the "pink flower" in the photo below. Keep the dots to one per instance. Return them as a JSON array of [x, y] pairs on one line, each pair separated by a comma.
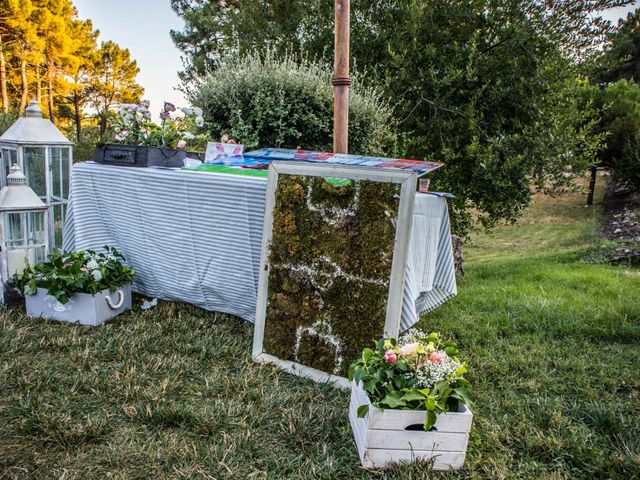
[[182, 144], [391, 357], [66, 265], [84, 269], [436, 357]]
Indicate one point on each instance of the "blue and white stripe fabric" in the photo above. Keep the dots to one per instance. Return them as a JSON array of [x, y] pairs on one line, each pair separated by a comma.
[[195, 237]]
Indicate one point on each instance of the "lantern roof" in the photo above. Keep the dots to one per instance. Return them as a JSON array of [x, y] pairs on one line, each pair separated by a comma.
[[17, 195], [33, 129]]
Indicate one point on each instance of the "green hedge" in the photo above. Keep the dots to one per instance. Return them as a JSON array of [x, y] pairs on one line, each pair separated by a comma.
[[265, 101]]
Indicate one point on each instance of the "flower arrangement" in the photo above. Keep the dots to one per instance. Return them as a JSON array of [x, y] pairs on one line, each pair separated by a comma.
[[417, 372], [132, 125], [67, 273]]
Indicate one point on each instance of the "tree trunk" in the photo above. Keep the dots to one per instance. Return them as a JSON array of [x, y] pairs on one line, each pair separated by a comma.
[[458, 259], [25, 85], [3, 79], [77, 115], [38, 85], [592, 184], [50, 90]]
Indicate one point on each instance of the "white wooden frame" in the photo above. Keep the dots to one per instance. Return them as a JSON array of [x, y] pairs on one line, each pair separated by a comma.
[[407, 180]]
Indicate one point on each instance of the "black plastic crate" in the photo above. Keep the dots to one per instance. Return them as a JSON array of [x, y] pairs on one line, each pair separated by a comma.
[[139, 156]]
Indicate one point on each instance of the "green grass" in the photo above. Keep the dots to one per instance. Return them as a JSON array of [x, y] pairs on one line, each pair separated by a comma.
[[554, 345]]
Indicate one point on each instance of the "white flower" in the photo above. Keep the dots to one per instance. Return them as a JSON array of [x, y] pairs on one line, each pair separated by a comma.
[[197, 111], [410, 350], [187, 110], [188, 136], [199, 121], [92, 264], [97, 276]]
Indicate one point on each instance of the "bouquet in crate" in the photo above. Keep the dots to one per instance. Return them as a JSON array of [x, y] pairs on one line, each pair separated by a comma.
[[419, 371]]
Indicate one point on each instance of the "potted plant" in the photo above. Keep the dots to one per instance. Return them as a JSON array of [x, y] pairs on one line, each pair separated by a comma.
[[85, 287], [138, 142], [409, 401]]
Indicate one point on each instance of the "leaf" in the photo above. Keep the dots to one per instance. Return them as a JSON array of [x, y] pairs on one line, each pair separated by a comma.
[[393, 400], [366, 354], [465, 395], [363, 410], [430, 419], [413, 395]]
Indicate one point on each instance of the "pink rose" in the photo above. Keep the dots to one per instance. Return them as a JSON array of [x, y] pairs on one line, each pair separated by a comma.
[[436, 357], [391, 357], [182, 144]]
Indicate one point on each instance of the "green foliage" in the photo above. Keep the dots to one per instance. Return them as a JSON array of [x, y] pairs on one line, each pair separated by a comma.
[[85, 147], [619, 109], [486, 86], [6, 120], [68, 273], [329, 267], [279, 102], [405, 378], [621, 56]]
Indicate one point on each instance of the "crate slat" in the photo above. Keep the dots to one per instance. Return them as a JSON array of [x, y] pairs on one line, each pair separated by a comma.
[[377, 447]]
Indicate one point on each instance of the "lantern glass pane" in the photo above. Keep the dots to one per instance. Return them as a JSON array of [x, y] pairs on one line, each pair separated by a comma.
[[58, 212], [14, 231], [39, 255], [15, 242], [9, 157], [35, 228], [35, 170]]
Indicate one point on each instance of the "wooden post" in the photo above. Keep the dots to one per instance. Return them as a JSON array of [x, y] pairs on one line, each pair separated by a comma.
[[341, 80], [592, 184]]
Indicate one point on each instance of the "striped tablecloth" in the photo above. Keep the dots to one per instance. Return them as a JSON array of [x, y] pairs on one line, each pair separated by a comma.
[[195, 237]]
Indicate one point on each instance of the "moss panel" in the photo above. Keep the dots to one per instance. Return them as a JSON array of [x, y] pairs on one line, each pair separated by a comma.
[[330, 263]]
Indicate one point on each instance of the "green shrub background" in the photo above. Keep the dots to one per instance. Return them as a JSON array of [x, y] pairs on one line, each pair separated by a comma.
[[264, 101]]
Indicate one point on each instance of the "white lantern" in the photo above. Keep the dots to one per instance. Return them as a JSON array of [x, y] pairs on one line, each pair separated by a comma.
[[23, 220], [45, 156]]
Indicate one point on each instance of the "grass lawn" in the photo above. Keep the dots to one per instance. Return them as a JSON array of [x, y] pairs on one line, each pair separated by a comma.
[[554, 346]]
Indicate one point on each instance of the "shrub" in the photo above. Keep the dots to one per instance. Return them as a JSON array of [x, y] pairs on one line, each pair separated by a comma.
[[265, 101]]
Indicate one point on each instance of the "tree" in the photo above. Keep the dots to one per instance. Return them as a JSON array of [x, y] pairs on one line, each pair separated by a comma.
[[487, 86], [113, 80], [621, 57], [80, 66], [618, 107]]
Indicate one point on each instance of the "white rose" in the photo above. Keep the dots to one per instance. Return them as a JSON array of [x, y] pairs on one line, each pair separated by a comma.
[[410, 351], [97, 276], [92, 264]]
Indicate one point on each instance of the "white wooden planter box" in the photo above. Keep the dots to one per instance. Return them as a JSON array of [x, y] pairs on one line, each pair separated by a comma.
[[382, 437], [82, 308]]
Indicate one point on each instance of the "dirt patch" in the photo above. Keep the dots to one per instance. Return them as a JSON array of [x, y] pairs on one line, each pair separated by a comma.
[[621, 225]]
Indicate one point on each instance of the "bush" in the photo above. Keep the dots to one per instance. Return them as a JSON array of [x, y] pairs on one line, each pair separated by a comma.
[[264, 101], [6, 120], [619, 106]]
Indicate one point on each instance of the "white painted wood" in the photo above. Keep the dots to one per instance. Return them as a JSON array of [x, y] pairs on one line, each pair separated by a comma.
[[263, 275], [303, 371], [399, 261], [378, 447], [381, 457], [452, 422], [396, 283]]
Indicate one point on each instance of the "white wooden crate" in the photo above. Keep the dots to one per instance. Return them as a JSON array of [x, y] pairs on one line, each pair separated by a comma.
[[382, 438]]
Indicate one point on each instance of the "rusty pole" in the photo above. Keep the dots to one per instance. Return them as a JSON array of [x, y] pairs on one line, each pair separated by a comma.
[[341, 80]]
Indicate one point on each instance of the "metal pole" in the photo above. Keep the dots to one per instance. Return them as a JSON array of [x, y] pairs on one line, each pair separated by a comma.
[[341, 80]]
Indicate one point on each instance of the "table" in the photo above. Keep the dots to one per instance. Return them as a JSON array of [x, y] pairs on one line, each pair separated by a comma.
[[195, 237]]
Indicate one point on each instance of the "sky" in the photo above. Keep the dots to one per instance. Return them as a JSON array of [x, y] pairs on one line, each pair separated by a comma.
[[143, 27]]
